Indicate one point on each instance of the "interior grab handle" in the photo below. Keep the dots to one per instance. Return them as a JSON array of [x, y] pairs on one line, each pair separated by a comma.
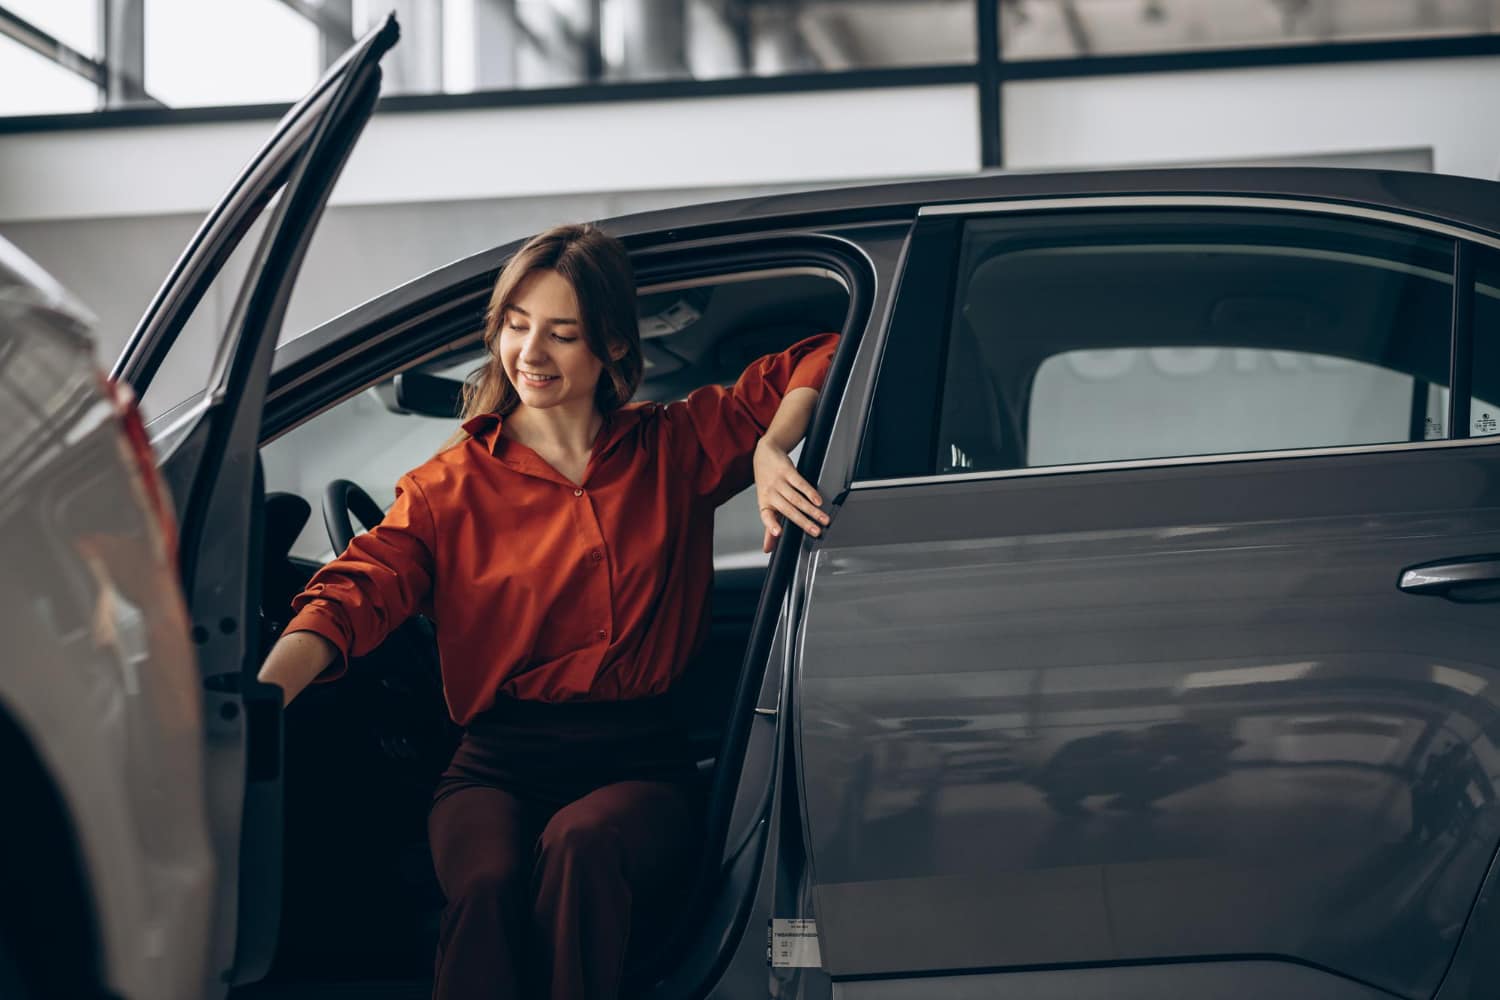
[[1467, 579]]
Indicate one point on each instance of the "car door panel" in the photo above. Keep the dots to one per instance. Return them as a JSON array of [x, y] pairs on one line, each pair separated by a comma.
[[1165, 710], [984, 660], [1220, 980], [208, 457]]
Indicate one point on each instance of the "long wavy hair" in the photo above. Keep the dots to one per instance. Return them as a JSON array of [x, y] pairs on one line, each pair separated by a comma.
[[598, 268]]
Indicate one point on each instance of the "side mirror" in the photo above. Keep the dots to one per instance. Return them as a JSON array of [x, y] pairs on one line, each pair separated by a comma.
[[422, 394]]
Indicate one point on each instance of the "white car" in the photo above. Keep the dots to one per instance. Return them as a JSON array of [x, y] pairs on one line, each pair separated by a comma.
[[134, 858], [109, 859]]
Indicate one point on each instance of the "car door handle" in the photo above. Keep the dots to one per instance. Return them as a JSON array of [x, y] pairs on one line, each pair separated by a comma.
[[1468, 579]]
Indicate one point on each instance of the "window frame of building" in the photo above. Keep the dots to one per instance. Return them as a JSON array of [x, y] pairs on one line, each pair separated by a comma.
[[124, 101]]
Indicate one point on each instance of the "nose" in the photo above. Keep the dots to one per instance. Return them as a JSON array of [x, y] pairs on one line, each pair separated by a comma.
[[532, 348]]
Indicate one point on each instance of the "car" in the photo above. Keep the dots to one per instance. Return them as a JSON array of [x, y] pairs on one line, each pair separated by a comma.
[[1151, 649]]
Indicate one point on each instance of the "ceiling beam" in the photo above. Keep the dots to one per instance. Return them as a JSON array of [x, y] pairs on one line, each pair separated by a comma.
[[332, 24], [1077, 30], [14, 27]]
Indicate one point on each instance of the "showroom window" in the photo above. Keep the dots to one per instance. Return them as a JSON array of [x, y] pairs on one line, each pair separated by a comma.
[[1053, 29]]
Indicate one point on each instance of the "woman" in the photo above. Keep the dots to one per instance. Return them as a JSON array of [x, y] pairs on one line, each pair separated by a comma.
[[563, 544]]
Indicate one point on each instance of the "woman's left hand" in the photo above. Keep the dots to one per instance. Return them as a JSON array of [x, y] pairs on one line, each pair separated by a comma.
[[780, 489]]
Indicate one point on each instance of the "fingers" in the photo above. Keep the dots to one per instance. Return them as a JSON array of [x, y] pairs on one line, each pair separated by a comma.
[[783, 474], [768, 521], [802, 488], [803, 496], [783, 492], [801, 511], [795, 507]]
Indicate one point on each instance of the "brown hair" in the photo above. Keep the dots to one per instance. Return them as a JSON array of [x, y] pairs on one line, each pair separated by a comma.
[[598, 268]]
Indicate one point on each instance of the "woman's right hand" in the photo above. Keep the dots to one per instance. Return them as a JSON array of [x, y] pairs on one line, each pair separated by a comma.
[[295, 660], [780, 489]]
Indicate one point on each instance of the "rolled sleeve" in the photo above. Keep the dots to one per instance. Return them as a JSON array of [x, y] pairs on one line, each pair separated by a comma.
[[720, 426], [382, 578]]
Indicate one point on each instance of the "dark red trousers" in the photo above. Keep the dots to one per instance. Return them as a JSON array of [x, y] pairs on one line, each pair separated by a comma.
[[564, 837]]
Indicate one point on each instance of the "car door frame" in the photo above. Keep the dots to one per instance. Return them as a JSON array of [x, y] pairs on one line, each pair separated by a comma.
[[208, 455], [924, 271], [429, 316]]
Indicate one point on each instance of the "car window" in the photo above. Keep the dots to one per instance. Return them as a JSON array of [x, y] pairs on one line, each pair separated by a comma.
[[360, 440], [692, 336], [364, 441], [1127, 336], [186, 370], [1100, 406]]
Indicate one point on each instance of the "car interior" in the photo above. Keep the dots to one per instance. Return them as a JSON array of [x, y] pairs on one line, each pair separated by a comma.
[[360, 902]]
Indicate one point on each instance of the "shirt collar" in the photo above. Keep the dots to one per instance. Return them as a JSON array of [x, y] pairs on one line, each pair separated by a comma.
[[485, 428]]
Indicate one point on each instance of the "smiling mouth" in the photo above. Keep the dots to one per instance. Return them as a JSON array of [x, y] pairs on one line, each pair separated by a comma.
[[538, 379]]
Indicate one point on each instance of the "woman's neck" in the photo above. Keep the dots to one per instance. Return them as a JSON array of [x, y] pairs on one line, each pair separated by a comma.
[[555, 428]]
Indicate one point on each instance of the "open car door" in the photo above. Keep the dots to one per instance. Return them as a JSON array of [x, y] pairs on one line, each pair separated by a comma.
[[207, 449]]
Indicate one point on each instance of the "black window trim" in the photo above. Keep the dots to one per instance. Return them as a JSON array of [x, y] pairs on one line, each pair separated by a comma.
[[1460, 343]]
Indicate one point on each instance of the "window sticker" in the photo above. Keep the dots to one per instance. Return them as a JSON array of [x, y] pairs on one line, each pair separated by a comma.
[[793, 944]]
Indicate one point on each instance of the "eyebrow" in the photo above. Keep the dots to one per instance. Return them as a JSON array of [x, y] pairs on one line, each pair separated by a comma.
[[556, 322]]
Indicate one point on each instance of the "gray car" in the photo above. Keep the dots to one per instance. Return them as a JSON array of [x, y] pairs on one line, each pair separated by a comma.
[[1149, 653]]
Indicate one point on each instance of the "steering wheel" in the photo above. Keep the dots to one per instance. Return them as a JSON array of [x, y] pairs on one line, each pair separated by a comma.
[[414, 724], [341, 499]]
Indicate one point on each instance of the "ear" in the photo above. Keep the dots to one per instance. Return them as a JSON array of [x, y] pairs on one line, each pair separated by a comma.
[[618, 350]]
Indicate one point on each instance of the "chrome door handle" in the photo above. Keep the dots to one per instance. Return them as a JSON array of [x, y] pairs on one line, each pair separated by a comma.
[[1467, 579]]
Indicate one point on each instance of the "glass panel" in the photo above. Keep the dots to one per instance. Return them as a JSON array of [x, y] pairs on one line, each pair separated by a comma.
[[228, 52], [75, 23], [185, 371], [460, 46], [1098, 406], [1484, 413], [1049, 29], [363, 440], [359, 440], [35, 85], [691, 336], [553, 43], [1089, 338]]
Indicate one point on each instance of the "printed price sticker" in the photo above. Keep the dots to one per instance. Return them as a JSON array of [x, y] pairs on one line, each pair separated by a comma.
[[793, 944]]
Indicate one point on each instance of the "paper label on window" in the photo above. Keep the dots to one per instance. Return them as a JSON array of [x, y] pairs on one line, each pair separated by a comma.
[[793, 944]]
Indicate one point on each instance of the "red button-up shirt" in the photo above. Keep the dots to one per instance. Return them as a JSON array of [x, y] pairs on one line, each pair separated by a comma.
[[547, 590]]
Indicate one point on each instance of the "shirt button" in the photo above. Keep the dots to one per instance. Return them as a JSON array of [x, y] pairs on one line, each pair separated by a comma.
[[578, 493], [603, 634], [596, 555]]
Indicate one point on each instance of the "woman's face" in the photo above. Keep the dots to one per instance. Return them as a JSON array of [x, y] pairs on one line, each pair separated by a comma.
[[542, 347]]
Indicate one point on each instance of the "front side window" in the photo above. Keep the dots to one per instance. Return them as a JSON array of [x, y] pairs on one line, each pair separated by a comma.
[[1095, 337], [692, 335]]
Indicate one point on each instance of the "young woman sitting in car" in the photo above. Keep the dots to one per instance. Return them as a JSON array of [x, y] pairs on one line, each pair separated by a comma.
[[563, 544]]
